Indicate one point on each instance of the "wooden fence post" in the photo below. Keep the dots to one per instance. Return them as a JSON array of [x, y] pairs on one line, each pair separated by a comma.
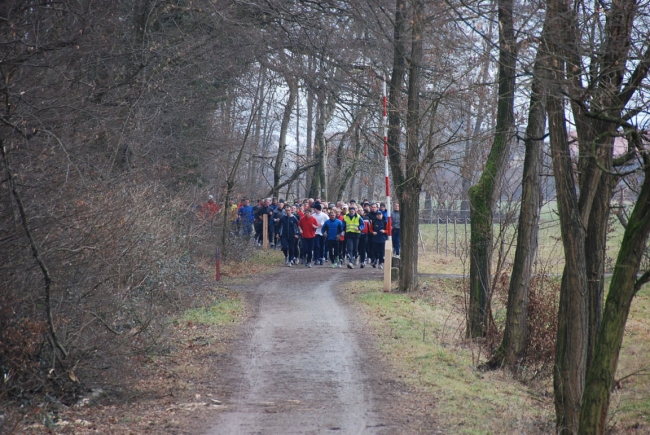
[[265, 231]]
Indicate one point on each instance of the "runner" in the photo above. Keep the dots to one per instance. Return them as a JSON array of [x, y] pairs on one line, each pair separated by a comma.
[[363, 239], [341, 215], [333, 230], [209, 209], [298, 215], [289, 233], [278, 213], [379, 238], [395, 232], [319, 241], [307, 226], [353, 226], [245, 218], [263, 209]]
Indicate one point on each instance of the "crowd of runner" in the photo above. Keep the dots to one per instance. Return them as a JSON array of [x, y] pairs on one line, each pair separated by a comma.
[[314, 232]]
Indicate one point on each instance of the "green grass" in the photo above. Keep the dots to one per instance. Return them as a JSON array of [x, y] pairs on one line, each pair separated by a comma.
[[222, 312], [631, 401], [422, 335], [445, 253], [423, 339]]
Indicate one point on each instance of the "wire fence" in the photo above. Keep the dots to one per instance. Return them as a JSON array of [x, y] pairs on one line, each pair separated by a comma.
[[448, 232], [447, 235]]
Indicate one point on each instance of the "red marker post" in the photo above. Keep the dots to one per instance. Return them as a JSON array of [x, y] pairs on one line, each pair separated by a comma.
[[217, 274]]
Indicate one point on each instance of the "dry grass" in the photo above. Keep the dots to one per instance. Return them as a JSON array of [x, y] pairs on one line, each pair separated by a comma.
[[630, 407], [445, 254], [422, 336]]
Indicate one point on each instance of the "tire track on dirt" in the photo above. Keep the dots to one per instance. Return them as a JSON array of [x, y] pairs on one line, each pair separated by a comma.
[[300, 368]]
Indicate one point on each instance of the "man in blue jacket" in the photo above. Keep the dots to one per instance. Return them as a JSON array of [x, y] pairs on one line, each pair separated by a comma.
[[245, 218], [332, 231]]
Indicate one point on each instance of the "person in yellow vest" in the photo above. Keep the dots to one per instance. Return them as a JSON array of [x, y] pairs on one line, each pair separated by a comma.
[[353, 225]]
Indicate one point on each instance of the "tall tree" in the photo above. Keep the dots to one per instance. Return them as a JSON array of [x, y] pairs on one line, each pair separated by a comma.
[[511, 351], [284, 127], [484, 194], [599, 96]]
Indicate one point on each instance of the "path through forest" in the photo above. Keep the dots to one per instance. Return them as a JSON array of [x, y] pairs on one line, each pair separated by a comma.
[[306, 365]]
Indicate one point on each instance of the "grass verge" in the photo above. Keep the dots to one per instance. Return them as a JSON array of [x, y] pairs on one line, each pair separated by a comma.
[[421, 335]]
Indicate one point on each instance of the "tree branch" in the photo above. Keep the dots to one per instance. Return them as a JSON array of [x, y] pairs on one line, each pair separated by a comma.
[[35, 251]]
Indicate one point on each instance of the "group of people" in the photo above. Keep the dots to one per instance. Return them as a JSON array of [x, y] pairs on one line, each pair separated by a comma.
[[313, 232]]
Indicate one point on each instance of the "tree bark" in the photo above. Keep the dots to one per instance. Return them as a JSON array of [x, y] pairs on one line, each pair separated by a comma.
[[395, 98], [624, 285], [483, 194], [324, 114], [597, 111], [410, 192], [308, 149], [513, 346], [252, 166], [284, 127], [571, 344]]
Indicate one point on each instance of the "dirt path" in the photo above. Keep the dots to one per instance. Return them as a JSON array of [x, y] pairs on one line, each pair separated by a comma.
[[306, 366]]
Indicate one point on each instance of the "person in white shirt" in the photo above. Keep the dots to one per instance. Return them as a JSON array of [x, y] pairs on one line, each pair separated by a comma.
[[319, 243]]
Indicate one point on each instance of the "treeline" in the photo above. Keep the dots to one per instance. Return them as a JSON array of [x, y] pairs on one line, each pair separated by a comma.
[[118, 115]]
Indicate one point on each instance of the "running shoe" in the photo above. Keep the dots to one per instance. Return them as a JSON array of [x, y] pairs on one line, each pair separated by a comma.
[[381, 266], [350, 266], [334, 265], [309, 264]]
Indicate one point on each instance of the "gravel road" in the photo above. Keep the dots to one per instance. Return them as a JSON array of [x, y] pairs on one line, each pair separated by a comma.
[[304, 365]]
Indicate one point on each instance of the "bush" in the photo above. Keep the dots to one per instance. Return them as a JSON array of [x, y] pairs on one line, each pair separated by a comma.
[[120, 261]]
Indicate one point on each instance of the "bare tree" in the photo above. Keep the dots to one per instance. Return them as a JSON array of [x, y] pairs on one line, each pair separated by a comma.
[[484, 194]]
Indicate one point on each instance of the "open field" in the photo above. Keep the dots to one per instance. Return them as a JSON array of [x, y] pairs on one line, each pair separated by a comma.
[[446, 245]]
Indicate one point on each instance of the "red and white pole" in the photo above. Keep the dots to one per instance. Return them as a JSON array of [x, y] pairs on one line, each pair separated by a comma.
[[389, 227], [388, 253]]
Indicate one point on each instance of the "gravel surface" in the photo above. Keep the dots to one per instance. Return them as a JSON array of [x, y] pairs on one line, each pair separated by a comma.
[[305, 365]]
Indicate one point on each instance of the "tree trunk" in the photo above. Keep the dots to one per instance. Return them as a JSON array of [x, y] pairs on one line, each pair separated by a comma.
[[470, 158], [252, 165], [595, 245], [410, 192], [624, 285], [409, 213], [284, 127], [483, 194], [325, 109], [512, 348], [571, 345], [346, 176], [395, 98], [310, 122]]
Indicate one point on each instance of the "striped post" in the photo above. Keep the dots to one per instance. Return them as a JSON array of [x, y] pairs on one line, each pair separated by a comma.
[[388, 253], [217, 265]]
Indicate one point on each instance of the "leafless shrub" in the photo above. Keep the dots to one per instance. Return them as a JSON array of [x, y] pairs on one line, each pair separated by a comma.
[[542, 325], [541, 321], [120, 260]]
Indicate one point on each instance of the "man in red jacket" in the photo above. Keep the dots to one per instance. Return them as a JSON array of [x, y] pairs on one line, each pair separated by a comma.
[[307, 226]]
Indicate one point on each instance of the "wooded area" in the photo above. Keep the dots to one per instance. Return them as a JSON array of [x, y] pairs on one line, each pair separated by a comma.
[[119, 117]]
